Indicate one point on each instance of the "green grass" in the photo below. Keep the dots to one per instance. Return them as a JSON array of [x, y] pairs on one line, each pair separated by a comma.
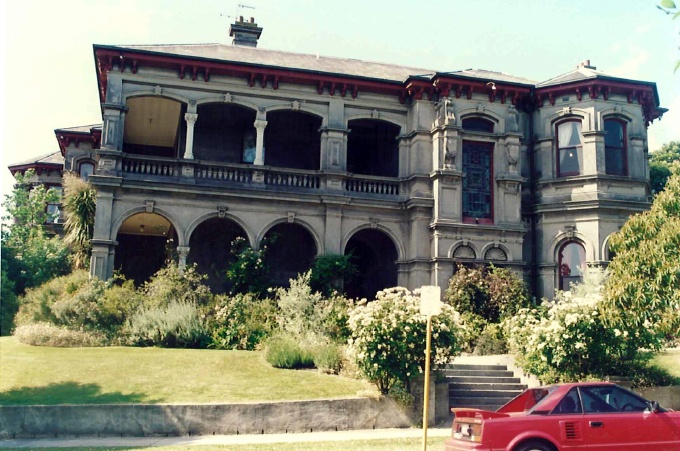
[[401, 444], [44, 375], [669, 361]]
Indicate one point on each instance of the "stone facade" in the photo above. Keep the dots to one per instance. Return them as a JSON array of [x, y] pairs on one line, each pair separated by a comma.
[[411, 173]]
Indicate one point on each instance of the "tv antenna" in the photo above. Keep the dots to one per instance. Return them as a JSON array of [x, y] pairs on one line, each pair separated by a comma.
[[239, 9]]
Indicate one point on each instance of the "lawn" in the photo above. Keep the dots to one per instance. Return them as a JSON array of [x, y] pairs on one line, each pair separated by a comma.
[[44, 375], [669, 361]]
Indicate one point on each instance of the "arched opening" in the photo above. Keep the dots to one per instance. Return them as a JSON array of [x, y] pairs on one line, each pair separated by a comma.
[[572, 264], [144, 242], [375, 256], [477, 124], [210, 250], [372, 148], [154, 126], [224, 133], [290, 251], [292, 140]]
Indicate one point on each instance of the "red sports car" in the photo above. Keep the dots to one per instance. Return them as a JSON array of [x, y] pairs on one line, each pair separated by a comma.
[[580, 416]]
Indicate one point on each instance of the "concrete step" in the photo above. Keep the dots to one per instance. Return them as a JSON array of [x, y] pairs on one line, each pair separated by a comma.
[[484, 393], [452, 366], [462, 401], [474, 386], [477, 373], [483, 380]]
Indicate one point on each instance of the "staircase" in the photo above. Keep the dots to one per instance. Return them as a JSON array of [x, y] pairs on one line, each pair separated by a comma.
[[485, 387]]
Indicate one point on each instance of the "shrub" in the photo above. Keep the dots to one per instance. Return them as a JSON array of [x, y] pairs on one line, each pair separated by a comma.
[[328, 358], [248, 271], [388, 337], [241, 321], [296, 307], [492, 293], [491, 341], [36, 305], [46, 334], [331, 318], [474, 326], [177, 325], [284, 350], [173, 284], [566, 339], [329, 272]]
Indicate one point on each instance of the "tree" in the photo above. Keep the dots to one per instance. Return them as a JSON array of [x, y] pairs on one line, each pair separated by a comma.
[[660, 164], [642, 293], [29, 256], [80, 203], [669, 7]]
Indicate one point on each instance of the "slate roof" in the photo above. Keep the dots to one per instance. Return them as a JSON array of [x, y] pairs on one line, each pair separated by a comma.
[[311, 63], [582, 73], [79, 129], [52, 158]]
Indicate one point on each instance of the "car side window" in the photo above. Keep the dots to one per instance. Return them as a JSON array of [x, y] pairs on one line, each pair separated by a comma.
[[611, 399], [570, 404]]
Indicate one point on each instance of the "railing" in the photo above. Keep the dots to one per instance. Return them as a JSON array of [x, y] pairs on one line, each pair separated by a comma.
[[150, 166], [372, 186], [254, 176]]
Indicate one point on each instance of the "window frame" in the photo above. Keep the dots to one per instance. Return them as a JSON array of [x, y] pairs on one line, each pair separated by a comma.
[[479, 120], [559, 149], [623, 149], [80, 169], [560, 274], [489, 147]]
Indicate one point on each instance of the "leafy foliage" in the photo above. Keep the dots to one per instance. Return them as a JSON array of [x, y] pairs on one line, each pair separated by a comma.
[[178, 324], [248, 272], [80, 203], [329, 271], [388, 337], [241, 321], [567, 339], [172, 283], [284, 350], [642, 294], [660, 165], [47, 334], [492, 293]]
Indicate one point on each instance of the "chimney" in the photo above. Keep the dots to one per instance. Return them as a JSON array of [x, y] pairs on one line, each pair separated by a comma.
[[586, 65], [245, 34]]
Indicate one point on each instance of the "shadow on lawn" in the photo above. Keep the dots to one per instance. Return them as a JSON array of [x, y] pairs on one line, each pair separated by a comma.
[[68, 393]]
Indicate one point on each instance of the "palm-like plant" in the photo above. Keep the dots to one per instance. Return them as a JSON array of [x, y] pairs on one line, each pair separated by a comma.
[[80, 202]]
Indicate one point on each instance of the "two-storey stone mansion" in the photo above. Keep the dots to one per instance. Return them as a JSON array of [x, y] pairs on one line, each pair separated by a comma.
[[410, 170]]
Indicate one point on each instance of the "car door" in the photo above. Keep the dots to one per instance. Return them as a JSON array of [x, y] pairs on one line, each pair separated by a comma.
[[619, 420]]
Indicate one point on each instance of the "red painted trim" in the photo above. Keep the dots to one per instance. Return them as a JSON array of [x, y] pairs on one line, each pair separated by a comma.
[[65, 138]]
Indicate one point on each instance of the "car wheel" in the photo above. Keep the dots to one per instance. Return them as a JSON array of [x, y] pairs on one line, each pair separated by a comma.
[[534, 445]]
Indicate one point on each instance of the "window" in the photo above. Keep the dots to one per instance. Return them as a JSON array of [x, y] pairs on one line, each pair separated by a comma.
[[477, 183], [572, 261], [54, 210], [611, 399], [569, 149], [86, 169], [478, 124], [615, 155]]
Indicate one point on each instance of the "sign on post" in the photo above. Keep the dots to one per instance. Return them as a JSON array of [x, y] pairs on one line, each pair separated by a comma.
[[430, 300]]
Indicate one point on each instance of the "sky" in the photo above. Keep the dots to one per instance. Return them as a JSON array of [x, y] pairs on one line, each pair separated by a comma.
[[47, 71]]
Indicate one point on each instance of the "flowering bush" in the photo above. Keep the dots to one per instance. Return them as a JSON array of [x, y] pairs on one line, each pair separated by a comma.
[[241, 321], [388, 337], [566, 339]]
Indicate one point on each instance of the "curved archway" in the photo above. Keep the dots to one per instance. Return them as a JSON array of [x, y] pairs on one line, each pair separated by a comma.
[[292, 140], [375, 255], [291, 249], [224, 132], [144, 242], [372, 147], [210, 250], [154, 126]]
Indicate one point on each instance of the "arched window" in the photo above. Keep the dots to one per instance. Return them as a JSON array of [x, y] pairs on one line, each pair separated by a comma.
[[569, 148], [477, 124], [615, 151], [86, 169], [572, 264]]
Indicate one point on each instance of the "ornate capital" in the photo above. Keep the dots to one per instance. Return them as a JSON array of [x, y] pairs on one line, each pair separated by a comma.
[[260, 124], [191, 118]]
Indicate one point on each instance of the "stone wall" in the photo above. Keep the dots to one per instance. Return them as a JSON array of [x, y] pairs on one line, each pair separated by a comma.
[[667, 397], [206, 419]]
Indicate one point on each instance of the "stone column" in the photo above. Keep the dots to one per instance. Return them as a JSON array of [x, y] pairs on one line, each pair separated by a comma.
[[183, 252], [260, 125], [189, 147]]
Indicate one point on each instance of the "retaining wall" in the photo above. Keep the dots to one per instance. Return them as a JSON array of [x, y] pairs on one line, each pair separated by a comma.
[[205, 419]]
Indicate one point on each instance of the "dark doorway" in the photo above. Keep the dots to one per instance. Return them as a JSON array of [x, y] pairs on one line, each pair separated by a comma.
[[224, 133], [292, 140], [375, 256], [210, 249], [291, 251]]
